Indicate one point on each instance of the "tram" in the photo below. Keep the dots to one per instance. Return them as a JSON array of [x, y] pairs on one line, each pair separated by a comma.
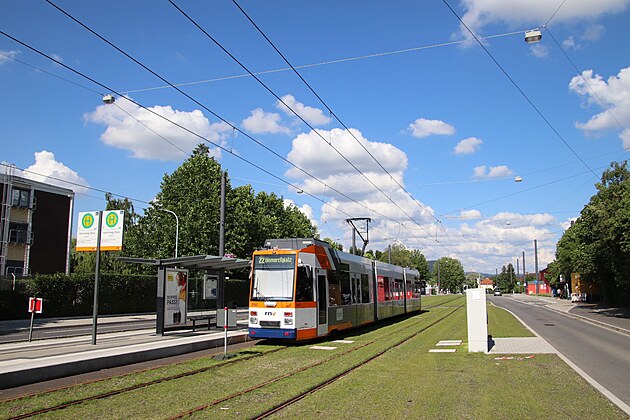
[[302, 288]]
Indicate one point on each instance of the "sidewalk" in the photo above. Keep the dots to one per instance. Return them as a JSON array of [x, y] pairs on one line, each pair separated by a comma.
[[23, 324], [23, 363], [614, 318]]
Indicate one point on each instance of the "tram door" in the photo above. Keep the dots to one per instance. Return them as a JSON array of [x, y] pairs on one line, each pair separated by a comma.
[[322, 303], [356, 297]]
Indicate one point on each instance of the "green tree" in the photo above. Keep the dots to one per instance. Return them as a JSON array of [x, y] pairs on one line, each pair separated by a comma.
[[451, 274], [193, 192], [337, 245], [471, 280], [404, 257], [506, 281], [597, 245]]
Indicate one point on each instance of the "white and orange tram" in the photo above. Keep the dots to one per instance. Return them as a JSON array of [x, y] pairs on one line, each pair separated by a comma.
[[302, 289]]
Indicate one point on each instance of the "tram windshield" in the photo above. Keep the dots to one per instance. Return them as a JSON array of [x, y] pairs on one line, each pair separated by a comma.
[[273, 277]]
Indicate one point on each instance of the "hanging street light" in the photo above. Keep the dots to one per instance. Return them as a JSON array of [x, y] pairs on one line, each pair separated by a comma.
[[533, 36]]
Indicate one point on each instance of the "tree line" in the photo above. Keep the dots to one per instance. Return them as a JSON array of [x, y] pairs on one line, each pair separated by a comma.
[[597, 244]]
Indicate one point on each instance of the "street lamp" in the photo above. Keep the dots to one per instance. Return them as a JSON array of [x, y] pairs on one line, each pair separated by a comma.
[[176, 227], [533, 36], [109, 99]]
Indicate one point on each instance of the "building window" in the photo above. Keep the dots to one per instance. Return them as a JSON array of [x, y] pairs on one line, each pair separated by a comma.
[[20, 198], [18, 233]]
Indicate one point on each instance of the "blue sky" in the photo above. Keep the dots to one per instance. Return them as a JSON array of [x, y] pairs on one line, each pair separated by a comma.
[[431, 106]]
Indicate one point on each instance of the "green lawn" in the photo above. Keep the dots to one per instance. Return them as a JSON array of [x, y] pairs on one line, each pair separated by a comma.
[[502, 324], [406, 382]]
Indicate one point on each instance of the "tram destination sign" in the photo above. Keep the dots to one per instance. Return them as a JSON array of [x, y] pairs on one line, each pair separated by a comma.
[[274, 261]]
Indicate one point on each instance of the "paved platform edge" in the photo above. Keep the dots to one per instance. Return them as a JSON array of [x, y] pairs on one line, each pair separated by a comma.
[[44, 373]]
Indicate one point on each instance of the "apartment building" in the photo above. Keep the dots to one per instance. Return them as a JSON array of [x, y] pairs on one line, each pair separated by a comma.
[[35, 226]]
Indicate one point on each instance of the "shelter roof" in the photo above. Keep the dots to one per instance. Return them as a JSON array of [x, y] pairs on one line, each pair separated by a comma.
[[207, 262]]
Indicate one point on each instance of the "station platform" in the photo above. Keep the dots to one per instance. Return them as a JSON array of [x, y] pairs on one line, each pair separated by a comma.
[[23, 363]]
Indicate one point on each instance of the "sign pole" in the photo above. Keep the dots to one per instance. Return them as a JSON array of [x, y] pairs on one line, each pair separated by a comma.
[[30, 330], [225, 327], [96, 274]]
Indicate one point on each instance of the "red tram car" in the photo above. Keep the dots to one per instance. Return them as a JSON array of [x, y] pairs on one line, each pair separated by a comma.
[[303, 289]]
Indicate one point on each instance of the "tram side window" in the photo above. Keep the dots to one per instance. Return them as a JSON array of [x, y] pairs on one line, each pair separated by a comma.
[[334, 291], [386, 282], [346, 290], [304, 285], [417, 288], [398, 289], [365, 288], [381, 289], [408, 289]]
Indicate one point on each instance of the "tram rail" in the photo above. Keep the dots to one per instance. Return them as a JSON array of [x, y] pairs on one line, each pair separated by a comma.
[[145, 384]]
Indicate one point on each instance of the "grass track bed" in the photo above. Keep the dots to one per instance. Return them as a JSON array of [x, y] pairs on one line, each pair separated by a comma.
[[166, 397], [426, 385]]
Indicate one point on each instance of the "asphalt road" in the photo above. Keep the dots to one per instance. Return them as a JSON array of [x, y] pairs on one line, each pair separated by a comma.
[[603, 354], [73, 331]]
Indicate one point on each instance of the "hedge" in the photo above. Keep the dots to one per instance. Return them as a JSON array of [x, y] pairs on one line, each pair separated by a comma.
[[73, 295]]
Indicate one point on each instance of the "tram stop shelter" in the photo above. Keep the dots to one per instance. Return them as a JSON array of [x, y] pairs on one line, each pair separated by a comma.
[[170, 269]]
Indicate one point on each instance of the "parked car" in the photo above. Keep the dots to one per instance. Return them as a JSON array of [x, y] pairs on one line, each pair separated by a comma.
[[497, 292]]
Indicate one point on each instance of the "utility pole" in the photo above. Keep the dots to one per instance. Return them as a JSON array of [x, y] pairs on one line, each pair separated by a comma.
[[524, 279], [536, 263], [438, 264], [355, 230], [221, 280]]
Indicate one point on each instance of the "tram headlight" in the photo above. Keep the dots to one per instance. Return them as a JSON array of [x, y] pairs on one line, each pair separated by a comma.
[[253, 320], [288, 318]]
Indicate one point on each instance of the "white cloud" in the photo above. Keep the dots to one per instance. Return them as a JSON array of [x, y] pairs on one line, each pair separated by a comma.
[[470, 214], [539, 50], [498, 240], [492, 172], [48, 170], [570, 43], [468, 146], [127, 129], [305, 209], [593, 32], [513, 13], [6, 56], [615, 95], [423, 128], [261, 122], [314, 116], [317, 157], [357, 196], [57, 57]]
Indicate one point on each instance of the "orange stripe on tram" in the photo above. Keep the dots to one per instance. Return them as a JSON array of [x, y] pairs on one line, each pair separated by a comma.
[[307, 333]]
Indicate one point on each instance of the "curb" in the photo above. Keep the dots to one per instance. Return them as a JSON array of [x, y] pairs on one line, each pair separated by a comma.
[[591, 321], [115, 357], [550, 306]]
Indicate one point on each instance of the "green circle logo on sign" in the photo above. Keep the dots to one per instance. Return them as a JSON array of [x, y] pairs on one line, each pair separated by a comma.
[[87, 221], [111, 219]]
